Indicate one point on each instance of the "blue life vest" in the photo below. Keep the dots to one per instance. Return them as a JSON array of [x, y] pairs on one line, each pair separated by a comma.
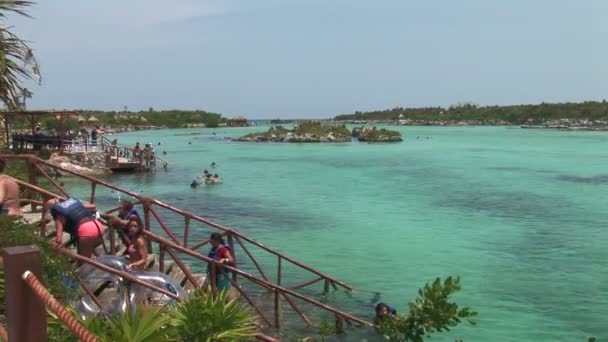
[[214, 254], [74, 212]]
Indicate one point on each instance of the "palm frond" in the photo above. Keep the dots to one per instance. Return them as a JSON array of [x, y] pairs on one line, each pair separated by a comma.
[[17, 64], [15, 6]]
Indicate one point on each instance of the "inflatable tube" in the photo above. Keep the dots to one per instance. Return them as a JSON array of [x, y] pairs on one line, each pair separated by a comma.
[[115, 294]]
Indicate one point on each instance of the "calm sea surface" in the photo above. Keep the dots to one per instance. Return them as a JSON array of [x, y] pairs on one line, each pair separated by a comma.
[[519, 214]]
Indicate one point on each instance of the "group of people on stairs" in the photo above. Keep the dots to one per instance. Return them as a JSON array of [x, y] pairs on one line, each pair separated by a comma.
[[78, 219]]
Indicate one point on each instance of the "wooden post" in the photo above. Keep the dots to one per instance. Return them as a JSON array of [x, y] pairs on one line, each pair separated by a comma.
[[161, 258], [25, 312], [146, 205], [45, 211], [112, 238], [32, 179], [213, 277], [231, 245], [277, 298], [186, 230], [93, 186]]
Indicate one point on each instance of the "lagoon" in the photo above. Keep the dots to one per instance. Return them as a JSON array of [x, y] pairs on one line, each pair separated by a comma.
[[520, 215]]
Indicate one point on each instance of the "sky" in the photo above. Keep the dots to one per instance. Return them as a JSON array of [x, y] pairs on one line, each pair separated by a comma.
[[314, 58]]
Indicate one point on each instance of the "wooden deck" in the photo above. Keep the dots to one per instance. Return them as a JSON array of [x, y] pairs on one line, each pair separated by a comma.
[[117, 164]]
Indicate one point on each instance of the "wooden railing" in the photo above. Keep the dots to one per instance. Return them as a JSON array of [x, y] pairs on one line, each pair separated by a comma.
[[172, 245]]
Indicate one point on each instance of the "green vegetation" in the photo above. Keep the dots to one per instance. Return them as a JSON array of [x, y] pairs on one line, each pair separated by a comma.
[[318, 129], [16, 233], [430, 312], [204, 317], [377, 135], [201, 318], [519, 114], [308, 131], [169, 119]]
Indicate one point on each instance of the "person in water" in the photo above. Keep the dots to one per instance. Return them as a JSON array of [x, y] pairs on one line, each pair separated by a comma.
[[137, 251], [76, 218], [383, 312], [9, 194], [194, 184], [221, 253], [215, 178], [213, 165]]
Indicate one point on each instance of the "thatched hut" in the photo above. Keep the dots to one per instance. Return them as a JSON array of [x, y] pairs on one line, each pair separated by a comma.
[[238, 121]]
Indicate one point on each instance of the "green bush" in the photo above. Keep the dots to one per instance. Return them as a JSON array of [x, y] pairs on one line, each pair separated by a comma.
[[430, 312], [205, 318], [17, 233]]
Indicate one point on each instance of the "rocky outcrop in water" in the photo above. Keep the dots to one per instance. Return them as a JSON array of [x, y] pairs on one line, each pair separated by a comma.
[[374, 135], [306, 132]]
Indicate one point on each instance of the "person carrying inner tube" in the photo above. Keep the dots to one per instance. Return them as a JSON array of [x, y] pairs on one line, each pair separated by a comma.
[[222, 254], [77, 219]]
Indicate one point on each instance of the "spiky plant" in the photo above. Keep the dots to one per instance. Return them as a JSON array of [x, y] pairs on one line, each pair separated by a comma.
[[140, 325], [205, 317]]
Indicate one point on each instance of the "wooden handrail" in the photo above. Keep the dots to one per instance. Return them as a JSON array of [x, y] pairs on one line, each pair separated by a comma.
[[190, 215], [174, 245], [254, 279]]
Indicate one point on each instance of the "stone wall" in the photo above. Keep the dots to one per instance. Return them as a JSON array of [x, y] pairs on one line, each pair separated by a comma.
[[85, 163]]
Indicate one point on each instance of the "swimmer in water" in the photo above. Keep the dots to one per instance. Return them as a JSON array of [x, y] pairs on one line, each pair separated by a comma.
[[194, 184], [215, 178], [383, 312], [213, 165], [164, 153]]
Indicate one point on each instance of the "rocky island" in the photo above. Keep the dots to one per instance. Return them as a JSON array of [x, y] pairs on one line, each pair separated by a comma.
[[375, 135], [306, 132]]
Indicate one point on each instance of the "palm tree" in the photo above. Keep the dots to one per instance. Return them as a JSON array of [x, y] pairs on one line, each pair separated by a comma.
[[17, 61]]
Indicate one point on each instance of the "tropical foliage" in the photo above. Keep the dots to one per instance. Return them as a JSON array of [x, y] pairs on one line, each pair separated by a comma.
[[518, 114], [55, 267], [17, 61], [313, 128], [432, 311], [202, 318], [167, 118]]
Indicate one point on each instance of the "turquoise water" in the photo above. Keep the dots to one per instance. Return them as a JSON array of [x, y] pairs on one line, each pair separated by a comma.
[[519, 214]]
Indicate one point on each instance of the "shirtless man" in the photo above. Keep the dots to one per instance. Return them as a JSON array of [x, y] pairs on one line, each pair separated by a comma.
[[9, 194]]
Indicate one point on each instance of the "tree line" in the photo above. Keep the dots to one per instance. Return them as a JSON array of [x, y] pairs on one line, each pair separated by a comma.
[[517, 114]]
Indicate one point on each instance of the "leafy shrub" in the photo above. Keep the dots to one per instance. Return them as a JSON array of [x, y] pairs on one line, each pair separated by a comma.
[[430, 312]]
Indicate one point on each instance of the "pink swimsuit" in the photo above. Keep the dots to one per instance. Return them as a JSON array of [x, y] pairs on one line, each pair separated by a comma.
[[90, 229]]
